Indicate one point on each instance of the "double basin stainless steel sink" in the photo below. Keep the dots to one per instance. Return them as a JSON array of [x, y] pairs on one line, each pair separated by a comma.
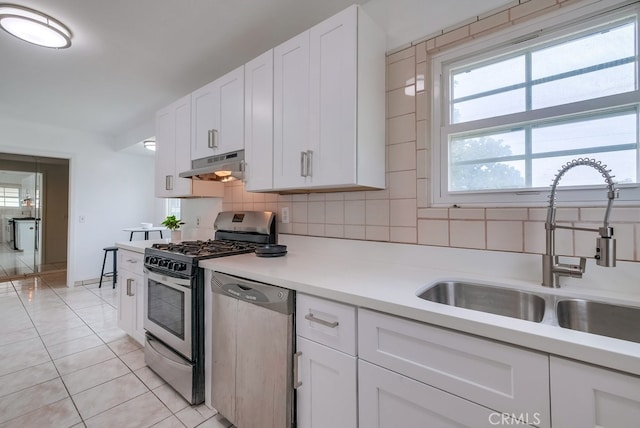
[[590, 316]]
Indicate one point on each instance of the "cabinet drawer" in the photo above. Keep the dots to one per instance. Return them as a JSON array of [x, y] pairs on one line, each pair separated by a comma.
[[329, 323], [130, 261], [501, 377]]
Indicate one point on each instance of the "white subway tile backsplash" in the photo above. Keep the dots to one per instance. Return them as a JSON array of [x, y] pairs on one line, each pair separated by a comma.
[[507, 214], [377, 233], [334, 212], [402, 156], [299, 212], [354, 212], [421, 159], [355, 196], [403, 212], [467, 213], [564, 242], [401, 73], [334, 230], [402, 184], [401, 129], [354, 232], [399, 103], [315, 212], [618, 214], [422, 106], [467, 234], [534, 237], [316, 197], [400, 55], [441, 213], [377, 213], [423, 193], [337, 196], [433, 232], [407, 235], [421, 135], [299, 228], [315, 229], [505, 235], [300, 197]]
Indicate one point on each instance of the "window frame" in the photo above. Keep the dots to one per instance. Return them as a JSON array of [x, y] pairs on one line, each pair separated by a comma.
[[538, 31]]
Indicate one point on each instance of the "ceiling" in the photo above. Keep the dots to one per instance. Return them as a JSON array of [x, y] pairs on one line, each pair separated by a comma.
[[130, 58]]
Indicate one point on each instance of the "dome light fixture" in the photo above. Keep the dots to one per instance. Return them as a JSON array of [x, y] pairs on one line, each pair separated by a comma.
[[34, 27]]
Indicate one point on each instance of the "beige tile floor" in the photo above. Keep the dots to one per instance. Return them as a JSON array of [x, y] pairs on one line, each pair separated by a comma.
[[65, 363], [23, 263]]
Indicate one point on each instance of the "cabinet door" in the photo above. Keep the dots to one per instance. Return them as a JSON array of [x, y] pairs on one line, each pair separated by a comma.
[[218, 116], [327, 395], [291, 112], [203, 120], [333, 95], [173, 134], [586, 396], [126, 301], [390, 400], [258, 123], [231, 111]]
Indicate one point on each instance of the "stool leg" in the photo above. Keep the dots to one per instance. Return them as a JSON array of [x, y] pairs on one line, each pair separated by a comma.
[[104, 261], [115, 268]]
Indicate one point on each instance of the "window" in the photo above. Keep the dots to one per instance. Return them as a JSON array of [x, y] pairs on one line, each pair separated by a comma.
[[173, 207], [511, 116], [9, 196]]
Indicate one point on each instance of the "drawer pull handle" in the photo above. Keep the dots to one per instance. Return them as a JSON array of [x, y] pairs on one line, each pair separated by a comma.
[[129, 288], [132, 261], [312, 318], [296, 370]]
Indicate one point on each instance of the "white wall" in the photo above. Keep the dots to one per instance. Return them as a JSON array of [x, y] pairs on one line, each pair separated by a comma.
[[112, 190]]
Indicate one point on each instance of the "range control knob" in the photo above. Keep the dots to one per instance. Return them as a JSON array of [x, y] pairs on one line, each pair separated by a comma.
[[180, 266]]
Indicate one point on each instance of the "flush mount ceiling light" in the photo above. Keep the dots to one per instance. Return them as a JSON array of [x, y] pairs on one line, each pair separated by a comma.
[[149, 145], [34, 27]]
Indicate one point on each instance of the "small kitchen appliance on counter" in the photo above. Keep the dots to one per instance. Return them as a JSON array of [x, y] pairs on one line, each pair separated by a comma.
[[174, 296]]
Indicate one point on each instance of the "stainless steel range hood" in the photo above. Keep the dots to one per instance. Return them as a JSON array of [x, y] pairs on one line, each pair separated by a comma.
[[225, 167]]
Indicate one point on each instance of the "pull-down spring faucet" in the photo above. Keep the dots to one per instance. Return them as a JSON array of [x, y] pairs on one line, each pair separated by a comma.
[[605, 255]]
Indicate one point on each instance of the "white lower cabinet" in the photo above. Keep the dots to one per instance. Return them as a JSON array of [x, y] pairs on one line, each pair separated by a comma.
[[587, 396], [326, 359], [512, 381], [326, 396], [130, 290], [390, 400]]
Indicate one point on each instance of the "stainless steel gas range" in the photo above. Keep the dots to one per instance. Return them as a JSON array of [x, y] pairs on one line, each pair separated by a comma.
[[174, 296]]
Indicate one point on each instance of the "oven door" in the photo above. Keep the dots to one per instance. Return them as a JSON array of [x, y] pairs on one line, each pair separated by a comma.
[[167, 311]]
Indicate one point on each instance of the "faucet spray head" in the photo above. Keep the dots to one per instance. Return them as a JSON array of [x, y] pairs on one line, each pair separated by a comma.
[[606, 248]]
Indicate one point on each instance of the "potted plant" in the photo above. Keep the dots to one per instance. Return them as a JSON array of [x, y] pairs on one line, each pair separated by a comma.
[[173, 224]]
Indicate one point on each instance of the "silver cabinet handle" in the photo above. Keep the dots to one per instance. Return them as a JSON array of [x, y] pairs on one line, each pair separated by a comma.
[[309, 163], [303, 163], [132, 261], [168, 182], [296, 370], [129, 288], [320, 321], [212, 140]]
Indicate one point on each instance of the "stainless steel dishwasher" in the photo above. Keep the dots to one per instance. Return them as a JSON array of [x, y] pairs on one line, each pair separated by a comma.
[[252, 340]]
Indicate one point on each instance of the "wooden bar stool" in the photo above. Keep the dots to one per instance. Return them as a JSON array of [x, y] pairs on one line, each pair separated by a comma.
[[113, 273]]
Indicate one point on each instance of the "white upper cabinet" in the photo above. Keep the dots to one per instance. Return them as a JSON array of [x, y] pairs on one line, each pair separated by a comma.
[[291, 112], [329, 106], [173, 133], [258, 123], [217, 121]]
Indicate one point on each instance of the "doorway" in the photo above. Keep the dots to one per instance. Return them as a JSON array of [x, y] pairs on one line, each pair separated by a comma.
[[34, 200]]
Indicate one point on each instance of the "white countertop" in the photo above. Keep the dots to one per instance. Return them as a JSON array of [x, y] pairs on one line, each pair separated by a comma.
[[386, 277]]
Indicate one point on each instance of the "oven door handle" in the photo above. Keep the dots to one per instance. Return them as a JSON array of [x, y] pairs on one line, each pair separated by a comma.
[[170, 281]]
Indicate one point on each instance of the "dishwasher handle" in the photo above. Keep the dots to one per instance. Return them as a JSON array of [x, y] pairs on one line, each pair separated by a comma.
[[268, 296]]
